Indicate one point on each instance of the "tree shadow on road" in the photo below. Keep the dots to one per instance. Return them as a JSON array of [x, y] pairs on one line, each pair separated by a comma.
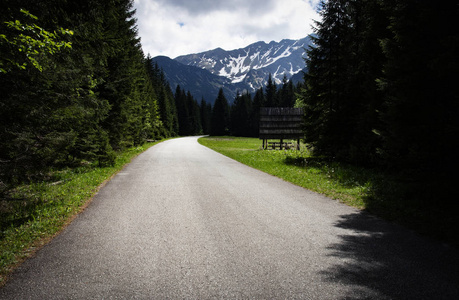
[[380, 260], [427, 205]]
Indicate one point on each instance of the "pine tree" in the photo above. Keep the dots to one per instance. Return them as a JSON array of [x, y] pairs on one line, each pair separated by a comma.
[[166, 101], [324, 88], [361, 98], [259, 101], [206, 112], [286, 93], [53, 114], [120, 80], [421, 126], [195, 116], [240, 115], [271, 93], [220, 115], [341, 97], [183, 114], [81, 102]]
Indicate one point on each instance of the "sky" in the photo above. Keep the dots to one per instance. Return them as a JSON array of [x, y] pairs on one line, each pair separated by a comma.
[[178, 27]]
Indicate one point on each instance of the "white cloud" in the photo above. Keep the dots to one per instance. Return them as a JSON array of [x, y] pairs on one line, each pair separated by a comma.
[[178, 27]]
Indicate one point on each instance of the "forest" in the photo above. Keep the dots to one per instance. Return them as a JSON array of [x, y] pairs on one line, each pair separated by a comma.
[[380, 90], [74, 85]]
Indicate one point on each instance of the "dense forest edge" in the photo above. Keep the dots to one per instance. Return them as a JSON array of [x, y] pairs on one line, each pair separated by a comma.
[[381, 92]]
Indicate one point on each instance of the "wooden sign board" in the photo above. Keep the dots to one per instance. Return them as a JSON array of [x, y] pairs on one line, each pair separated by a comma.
[[281, 123]]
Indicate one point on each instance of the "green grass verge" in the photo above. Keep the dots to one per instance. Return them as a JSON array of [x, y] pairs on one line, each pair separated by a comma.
[[366, 189], [34, 213]]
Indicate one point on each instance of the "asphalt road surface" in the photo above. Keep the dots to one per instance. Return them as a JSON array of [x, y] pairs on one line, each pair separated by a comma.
[[184, 222]]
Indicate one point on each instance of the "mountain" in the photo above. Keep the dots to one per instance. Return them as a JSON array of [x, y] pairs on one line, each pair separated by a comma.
[[298, 77], [199, 82], [245, 69], [249, 63]]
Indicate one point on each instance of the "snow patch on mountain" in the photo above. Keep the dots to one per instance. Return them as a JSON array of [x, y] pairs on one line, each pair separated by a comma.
[[284, 58]]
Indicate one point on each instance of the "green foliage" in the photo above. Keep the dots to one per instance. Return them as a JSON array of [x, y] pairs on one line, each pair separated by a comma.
[[166, 101], [186, 113], [378, 93], [240, 115], [421, 126], [195, 115], [341, 98], [259, 101], [220, 115], [272, 99], [74, 106], [287, 97], [206, 113], [183, 113], [27, 43]]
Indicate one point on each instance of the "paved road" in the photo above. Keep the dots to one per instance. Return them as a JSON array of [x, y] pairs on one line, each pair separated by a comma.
[[184, 222]]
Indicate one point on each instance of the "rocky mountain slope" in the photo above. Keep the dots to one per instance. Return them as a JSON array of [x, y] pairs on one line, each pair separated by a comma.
[[245, 69]]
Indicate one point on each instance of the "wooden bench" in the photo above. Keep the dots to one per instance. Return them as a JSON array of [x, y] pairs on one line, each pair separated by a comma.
[[281, 145]]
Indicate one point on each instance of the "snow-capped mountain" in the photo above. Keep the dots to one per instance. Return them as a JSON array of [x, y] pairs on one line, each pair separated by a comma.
[[199, 82], [245, 69], [241, 65]]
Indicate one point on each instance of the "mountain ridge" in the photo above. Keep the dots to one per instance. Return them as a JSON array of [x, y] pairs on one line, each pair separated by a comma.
[[200, 83], [238, 70]]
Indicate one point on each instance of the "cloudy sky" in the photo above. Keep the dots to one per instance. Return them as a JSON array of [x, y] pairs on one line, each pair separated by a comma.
[[178, 27]]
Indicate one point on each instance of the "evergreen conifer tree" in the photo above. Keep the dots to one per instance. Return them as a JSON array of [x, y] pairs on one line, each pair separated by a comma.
[[82, 101], [240, 115], [286, 93], [206, 112], [195, 116], [271, 93], [259, 101], [421, 126], [220, 115], [341, 96], [182, 111]]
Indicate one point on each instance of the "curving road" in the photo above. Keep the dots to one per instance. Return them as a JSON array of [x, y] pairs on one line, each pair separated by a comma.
[[184, 222]]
